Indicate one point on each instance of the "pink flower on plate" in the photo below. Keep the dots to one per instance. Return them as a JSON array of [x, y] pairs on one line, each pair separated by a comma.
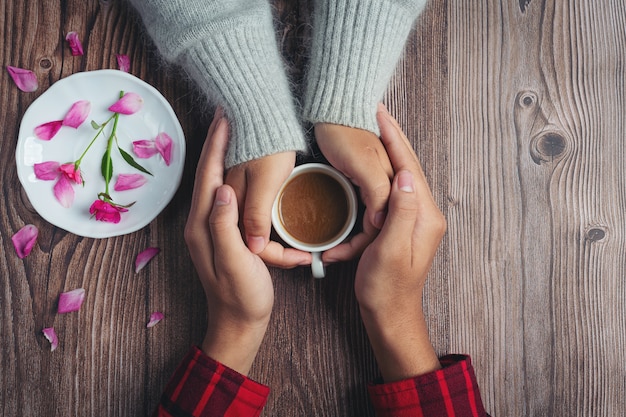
[[162, 144], [66, 175], [78, 114], [75, 45], [155, 317], [26, 80], [130, 103], [144, 257], [71, 301], [51, 335], [123, 62], [129, 182], [24, 240], [106, 212]]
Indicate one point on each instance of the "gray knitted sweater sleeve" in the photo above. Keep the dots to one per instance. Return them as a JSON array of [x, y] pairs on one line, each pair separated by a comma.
[[229, 48]]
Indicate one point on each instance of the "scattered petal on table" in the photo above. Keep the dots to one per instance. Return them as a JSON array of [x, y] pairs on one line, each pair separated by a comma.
[[24, 240], [75, 45], [130, 103], [26, 80], [163, 144], [123, 62], [47, 171], [63, 191], [144, 257], [129, 182], [71, 300], [155, 317], [47, 131], [51, 335], [78, 114]]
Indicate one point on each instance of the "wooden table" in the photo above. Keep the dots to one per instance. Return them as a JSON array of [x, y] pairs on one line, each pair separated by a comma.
[[516, 110]]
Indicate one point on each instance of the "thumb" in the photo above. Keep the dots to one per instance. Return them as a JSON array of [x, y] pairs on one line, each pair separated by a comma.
[[403, 208], [374, 189], [223, 221]]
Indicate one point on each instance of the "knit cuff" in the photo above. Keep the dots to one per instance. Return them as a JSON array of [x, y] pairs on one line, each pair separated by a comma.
[[356, 45]]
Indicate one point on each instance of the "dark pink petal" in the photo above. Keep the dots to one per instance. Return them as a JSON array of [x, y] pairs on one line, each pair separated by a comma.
[[129, 182], [24, 240], [64, 192], [72, 174], [123, 62], [26, 80], [130, 103], [106, 212], [51, 335], [78, 114], [47, 171], [164, 145], [75, 45], [155, 317], [71, 300], [145, 148], [144, 257], [47, 131]]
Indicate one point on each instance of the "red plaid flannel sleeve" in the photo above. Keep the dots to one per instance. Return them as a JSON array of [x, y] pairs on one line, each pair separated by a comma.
[[450, 391], [202, 386]]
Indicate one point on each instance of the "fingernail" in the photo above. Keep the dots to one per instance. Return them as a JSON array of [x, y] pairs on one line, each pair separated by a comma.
[[405, 182], [256, 243], [222, 197], [219, 113], [379, 219], [382, 108]]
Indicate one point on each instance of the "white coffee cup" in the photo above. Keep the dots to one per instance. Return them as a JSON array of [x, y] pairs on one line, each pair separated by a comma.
[[294, 209]]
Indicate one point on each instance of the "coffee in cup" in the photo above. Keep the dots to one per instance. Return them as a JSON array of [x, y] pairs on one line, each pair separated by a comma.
[[315, 210]]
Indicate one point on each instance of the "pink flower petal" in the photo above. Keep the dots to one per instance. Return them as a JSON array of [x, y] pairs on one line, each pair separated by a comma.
[[123, 62], [47, 131], [144, 257], [71, 301], [72, 174], [155, 317], [129, 182], [130, 103], [78, 114], [106, 212], [75, 45], [144, 148], [64, 192], [26, 80], [51, 335], [47, 171], [24, 240], [164, 145]]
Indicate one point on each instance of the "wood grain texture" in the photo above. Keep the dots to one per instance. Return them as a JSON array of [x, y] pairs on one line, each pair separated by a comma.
[[516, 110]]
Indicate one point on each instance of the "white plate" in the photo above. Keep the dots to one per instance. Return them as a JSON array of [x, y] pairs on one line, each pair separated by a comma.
[[102, 89]]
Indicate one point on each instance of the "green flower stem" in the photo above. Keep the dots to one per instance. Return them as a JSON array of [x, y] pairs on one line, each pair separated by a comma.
[[102, 126], [108, 164]]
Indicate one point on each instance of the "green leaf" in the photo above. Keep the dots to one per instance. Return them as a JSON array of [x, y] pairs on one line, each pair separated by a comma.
[[107, 167], [131, 161], [95, 125]]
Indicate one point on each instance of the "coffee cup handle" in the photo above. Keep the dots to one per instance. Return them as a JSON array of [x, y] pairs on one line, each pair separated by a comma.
[[317, 266]]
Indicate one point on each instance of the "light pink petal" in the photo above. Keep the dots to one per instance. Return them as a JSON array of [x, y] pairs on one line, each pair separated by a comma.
[[78, 114], [47, 131], [155, 317], [144, 148], [26, 80], [164, 145], [64, 192], [51, 335], [129, 182], [144, 257], [75, 45], [47, 171], [24, 240], [71, 300], [72, 174], [123, 62], [130, 103]]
